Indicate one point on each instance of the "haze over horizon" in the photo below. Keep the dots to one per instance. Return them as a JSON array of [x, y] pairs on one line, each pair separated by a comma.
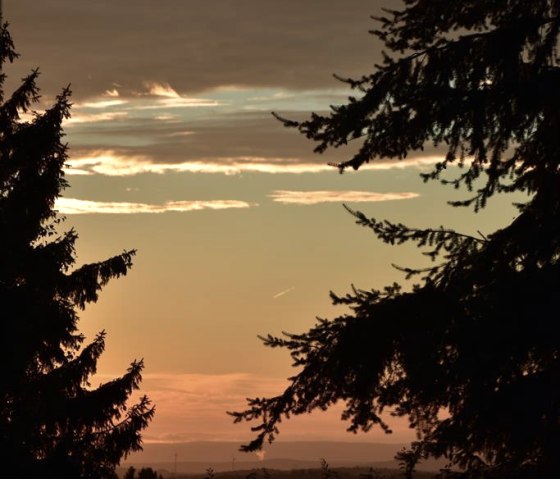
[[239, 226]]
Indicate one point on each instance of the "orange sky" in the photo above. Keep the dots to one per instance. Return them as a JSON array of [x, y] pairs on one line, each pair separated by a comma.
[[239, 227]]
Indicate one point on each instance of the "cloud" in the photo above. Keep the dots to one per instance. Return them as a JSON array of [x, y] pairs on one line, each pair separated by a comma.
[[121, 163], [155, 96], [112, 163], [177, 133], [193, 406], [316, 197], [193, 45], [96, 117], [72, 206], [167, 117], [180, 102], [411, 162], [161, 89], [220, 132], [167, 97], [102, 103]]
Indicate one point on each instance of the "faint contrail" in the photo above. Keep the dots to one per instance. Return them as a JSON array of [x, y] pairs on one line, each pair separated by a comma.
[[282, 293]]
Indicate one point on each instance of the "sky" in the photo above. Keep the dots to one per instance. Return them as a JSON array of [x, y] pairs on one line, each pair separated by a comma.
[[239, 227]]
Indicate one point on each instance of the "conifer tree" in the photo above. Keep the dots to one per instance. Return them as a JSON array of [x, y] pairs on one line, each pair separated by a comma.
[[471, 353], [52, 422]]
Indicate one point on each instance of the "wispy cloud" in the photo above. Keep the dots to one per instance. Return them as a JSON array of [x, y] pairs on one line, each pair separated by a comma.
[[176, 102], [72, 206], [96, 117], [167, 117], [161, 89], [114, 106], [193, 407], [166, 96], [316, 197], [101, 103], [112, 163], [178, 133], [392, 164]]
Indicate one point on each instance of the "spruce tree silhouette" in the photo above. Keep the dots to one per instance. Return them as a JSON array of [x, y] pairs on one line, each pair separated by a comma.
[[471, 354], [52, 422]]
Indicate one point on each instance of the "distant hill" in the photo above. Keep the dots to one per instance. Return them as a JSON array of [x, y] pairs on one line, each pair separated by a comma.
[[316, 473], [197, 457]]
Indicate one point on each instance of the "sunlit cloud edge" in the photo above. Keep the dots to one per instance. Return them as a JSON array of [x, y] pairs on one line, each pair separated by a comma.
[[73, 206], [317, 197], [113, 163]]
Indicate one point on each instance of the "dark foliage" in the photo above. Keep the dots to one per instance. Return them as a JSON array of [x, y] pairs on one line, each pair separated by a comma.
[[470, 354], [52, 422], [147, 473], [144, 473]]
